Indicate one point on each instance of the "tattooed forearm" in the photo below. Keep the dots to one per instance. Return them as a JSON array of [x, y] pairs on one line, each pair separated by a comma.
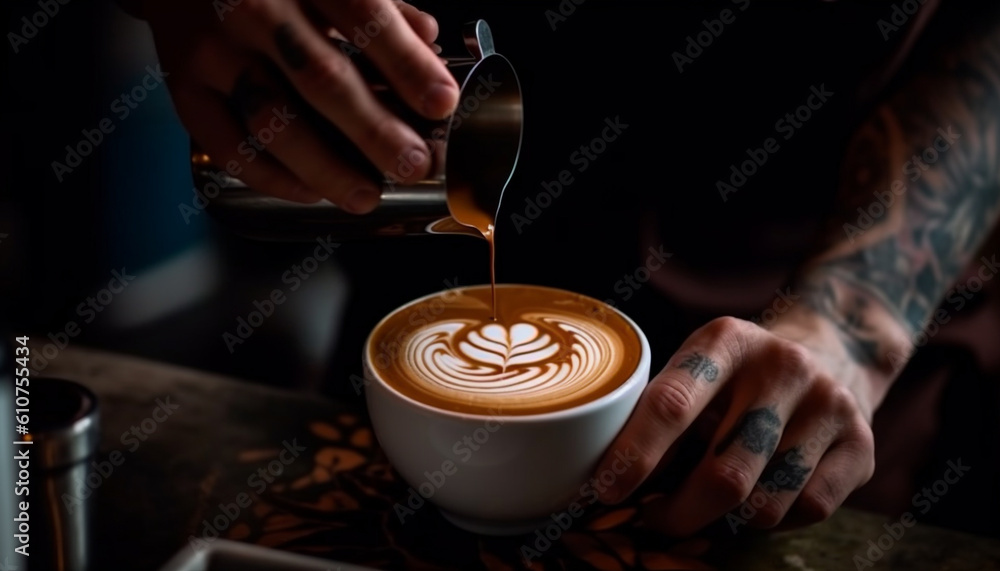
[[757, 431], [700, 366], [924, 171], [859, 338]]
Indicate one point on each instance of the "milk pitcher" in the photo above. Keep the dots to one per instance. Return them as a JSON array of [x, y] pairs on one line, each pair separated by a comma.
[[473, 155]]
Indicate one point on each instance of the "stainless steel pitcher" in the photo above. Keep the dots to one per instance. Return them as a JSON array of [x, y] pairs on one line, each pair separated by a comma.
[[474, 152]]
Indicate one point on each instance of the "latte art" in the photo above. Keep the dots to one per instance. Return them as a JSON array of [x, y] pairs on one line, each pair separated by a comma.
[[547, 350], [546, 357]]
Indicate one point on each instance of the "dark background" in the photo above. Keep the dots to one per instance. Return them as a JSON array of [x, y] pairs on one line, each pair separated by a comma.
[[607, 59]]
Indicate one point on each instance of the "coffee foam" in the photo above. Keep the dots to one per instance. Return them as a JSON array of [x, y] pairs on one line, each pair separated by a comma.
[[547, 350]]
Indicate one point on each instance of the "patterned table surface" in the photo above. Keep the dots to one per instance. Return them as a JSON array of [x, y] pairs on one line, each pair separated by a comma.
[[304, 474]]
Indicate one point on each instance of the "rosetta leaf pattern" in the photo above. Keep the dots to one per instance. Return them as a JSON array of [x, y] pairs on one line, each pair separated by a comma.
[[496, 345]]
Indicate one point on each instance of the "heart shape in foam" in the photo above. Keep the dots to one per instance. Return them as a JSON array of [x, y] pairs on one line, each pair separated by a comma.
[[545, 354], [495, 344]]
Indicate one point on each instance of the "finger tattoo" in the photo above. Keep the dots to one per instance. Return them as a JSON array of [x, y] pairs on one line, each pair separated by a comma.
[[757, 431], [700, 366], [788, 471], [289, 46]]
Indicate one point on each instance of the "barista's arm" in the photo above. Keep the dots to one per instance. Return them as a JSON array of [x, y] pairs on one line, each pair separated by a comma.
[[929, 158], [795, 401]]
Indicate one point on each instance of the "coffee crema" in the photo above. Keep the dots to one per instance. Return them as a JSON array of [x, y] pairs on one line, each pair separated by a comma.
[[547, 350]]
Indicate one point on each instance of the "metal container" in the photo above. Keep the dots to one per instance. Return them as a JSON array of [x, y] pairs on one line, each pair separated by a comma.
[[473, 152], [64, 433]]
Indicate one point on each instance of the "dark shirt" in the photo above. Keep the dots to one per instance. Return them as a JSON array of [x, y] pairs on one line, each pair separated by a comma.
[[702, 89]]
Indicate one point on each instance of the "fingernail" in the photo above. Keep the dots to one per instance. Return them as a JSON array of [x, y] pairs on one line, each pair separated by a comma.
[[439, 100], [362, 201], [416, 156]]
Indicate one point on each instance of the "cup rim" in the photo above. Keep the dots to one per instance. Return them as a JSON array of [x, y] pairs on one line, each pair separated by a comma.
[[575, 411]]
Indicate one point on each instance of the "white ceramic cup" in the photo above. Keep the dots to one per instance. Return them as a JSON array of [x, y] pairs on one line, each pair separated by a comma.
[[503, 474]]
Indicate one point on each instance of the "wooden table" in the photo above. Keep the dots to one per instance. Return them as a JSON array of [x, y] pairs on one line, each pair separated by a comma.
[[304, 474]]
